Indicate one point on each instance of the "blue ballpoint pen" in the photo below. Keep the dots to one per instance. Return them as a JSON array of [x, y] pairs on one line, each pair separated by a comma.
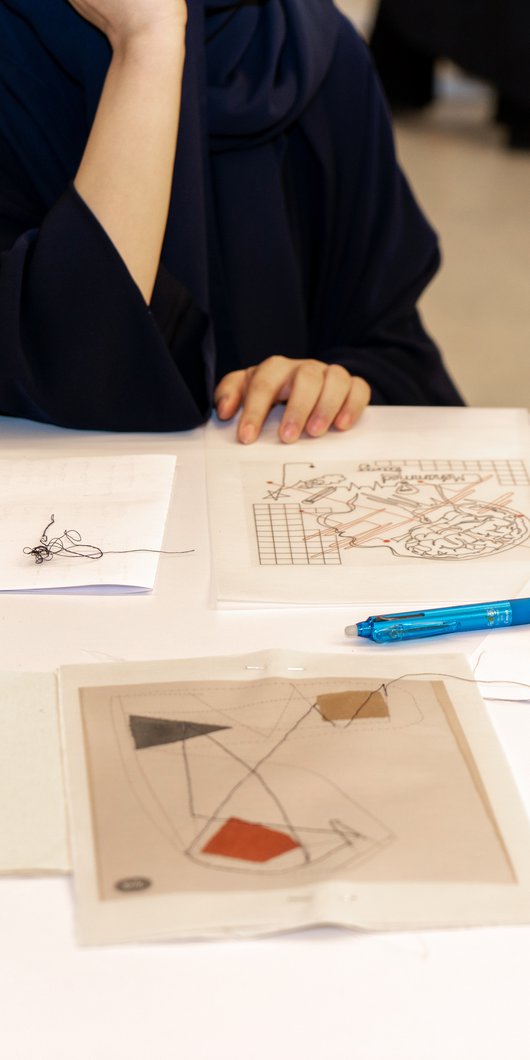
[[409, 625]]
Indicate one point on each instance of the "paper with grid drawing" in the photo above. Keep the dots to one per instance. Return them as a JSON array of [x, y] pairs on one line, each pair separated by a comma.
[[360, 519]]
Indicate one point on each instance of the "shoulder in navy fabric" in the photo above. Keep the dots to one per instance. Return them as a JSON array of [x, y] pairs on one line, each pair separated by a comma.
[[52, 69]]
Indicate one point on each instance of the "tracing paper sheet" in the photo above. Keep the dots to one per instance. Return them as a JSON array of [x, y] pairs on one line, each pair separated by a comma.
[[267, 792]]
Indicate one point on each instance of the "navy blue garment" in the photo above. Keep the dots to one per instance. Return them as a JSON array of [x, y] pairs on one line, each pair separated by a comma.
[[488, 38], [291, 229]]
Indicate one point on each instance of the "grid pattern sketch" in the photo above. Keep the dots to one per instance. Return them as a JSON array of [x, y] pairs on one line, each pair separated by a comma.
[[507, 472], [282, 538]]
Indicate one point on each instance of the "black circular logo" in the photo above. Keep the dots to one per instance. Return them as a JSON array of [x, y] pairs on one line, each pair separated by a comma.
[[133, 884]]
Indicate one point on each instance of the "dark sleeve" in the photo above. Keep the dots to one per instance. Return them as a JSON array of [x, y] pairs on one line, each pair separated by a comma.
[[79, 347], [378, 251]]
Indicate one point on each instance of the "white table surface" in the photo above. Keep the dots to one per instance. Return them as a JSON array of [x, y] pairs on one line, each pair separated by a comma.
[[460, 995]]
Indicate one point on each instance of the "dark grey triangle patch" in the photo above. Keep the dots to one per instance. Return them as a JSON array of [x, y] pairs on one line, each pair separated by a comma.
[[153, 732]]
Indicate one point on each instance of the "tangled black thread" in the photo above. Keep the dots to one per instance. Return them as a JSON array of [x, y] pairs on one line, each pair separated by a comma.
[[70, 543]]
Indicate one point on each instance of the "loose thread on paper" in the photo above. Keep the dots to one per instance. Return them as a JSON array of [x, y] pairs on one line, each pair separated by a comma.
[[476, 681], [70, 543]]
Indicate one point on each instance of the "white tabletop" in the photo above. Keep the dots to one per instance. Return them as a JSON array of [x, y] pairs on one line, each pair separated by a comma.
[[325, 993]]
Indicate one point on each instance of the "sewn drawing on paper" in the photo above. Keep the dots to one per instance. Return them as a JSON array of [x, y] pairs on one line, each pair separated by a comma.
[[314, 515], [278, 782]]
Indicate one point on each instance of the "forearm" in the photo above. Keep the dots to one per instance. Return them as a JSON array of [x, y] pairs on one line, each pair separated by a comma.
[[126, 171]]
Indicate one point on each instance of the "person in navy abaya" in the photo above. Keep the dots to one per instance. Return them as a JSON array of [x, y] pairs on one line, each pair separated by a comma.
[[276, 257]]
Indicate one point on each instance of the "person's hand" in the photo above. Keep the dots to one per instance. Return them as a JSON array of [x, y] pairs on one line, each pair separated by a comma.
[[121, 20], [317, 395]]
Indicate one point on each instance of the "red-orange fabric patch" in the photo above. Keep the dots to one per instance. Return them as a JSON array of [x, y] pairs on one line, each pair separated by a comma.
[[249, 841]]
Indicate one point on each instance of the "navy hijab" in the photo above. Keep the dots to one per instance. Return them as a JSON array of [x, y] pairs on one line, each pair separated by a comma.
[[252, 67]]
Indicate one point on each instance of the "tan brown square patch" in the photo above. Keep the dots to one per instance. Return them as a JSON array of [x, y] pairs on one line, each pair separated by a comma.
[[346, 706]]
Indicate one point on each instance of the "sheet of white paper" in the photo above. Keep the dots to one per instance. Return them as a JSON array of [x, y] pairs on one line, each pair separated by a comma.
[[414, 504], [33, 835], [278, 790], [109, 504]]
